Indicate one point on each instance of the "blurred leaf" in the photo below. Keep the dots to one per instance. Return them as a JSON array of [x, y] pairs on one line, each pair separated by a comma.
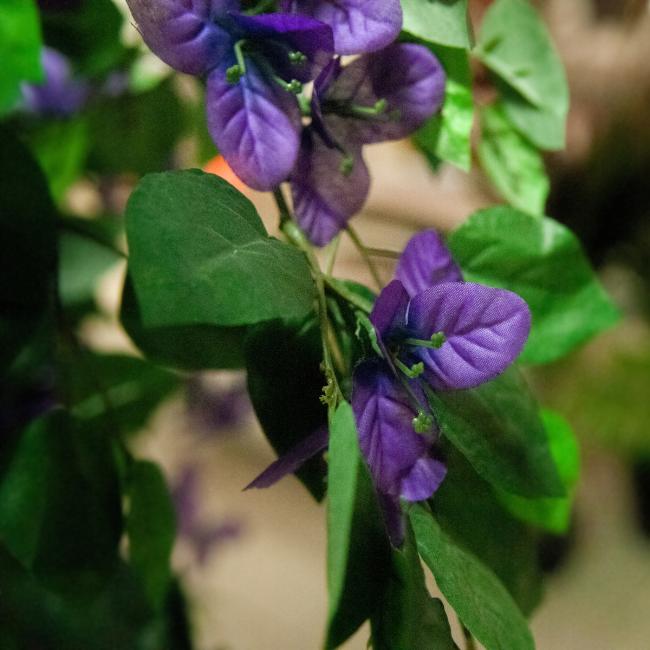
[[187, 347], [358, 553], [480, 600], [496, 426], [446, 136], [409, 619], [553, 515], [60, 510], [20, 49], [543, 262], [223, 270], [27, 248], [151, 527], [156, 116], [468, 510], [514, 43], [514, 166], [60, 146], [443, 22], [88, 34], [114, 389], [284, 384]]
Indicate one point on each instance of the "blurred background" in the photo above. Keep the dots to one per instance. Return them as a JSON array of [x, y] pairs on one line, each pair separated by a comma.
[[263, 552]]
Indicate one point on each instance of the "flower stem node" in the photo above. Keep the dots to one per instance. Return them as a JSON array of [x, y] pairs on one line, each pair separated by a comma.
[[413, 372], [423, 423], [297, 57], [234, 73]]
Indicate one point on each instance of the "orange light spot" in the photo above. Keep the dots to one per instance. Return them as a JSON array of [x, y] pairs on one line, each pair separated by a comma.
[[219, 167]]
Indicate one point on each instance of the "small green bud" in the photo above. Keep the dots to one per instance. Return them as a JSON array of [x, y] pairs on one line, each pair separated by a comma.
[[297, 57], [423, 423], [294, 86], [438, 339], [380, 106], [347, 165], [234, 73]]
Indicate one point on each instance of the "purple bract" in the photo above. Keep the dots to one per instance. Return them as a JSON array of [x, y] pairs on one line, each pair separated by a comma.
[[381, 96]]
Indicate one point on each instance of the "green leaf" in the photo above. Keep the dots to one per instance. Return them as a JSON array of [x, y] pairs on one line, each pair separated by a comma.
[[543, 262], [514, 43], [469, 511], [514, 166], [222, 270], [89, 34], [409, 619], [28, 254], [480, 600], [358, 553], [285, 383], [151, 527], [113, 389], [443, 22], [497, 428], [60, 510], [446, 136], [553, 515], [186, 347], [60, 146], [20, 49]]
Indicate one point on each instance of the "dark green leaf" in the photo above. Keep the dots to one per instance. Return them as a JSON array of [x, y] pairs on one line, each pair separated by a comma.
[[408, 618], [443, 22], [285, 383], [543, 262], [480, 600], [468, 510], [514, 166], [498, 429], [60, 510], [516, 46], [151, 527], [358, 553], [446, 136], [222, 270], [27, 248], [553, 515], [155, 115], [20, 49], [88, 34]]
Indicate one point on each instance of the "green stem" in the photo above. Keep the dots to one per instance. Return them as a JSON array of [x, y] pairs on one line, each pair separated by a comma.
[[366, 257], [339, 288], [383, 252], [334, 249]]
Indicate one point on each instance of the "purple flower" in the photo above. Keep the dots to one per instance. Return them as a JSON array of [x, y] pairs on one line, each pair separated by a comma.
[[255, 66], [60, 94], [358, 25], [381, 96]]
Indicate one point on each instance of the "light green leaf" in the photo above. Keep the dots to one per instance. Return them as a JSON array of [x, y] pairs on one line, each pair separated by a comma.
[[496, 426], [543, 262], [553, 515], [446, 136], [443, 22], [151, 527], [514, 166], [199, 255], [20, 49], [408, 618], [514, 43], [482, 603], [357, 547]]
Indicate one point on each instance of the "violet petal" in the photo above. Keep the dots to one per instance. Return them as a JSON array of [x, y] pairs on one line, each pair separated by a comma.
[[292, 461], [255, 125], [184, 33], [426, 261], [423, 480], [324, 197], [408, 77], [285, 33], [358, 25], [485, 329], [388, 314]]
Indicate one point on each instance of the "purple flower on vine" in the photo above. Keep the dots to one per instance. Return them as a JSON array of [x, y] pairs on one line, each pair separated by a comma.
[[60, 94], [434, 332], [254, 66], [358, 25], [381, 96]]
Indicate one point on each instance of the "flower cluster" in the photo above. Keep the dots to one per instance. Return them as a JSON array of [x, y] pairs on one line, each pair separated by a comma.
[[434, 332], [256, 67]]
